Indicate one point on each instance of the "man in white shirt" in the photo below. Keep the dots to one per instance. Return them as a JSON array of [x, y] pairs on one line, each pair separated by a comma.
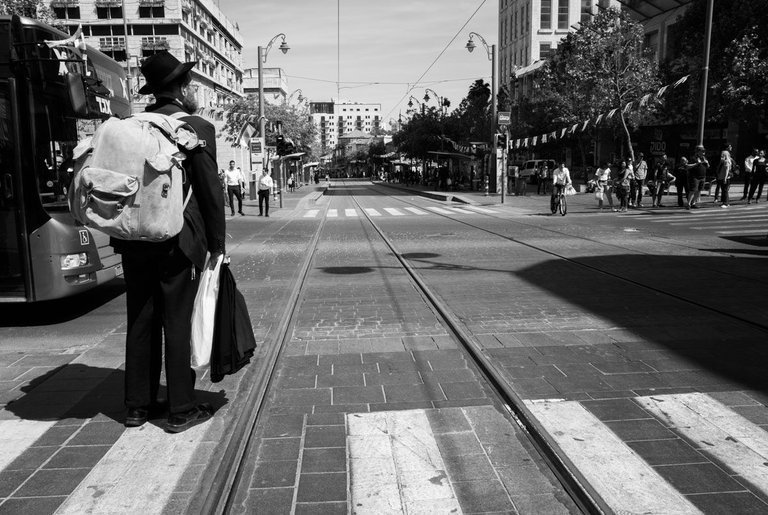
[[233, 178], [266, 187], [748, 171], [561, 178]]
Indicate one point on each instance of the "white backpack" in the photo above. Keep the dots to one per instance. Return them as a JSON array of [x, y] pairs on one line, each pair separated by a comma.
[[128, 177]]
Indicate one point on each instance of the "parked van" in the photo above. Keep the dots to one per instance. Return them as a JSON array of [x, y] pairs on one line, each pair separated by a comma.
[[530, 168]]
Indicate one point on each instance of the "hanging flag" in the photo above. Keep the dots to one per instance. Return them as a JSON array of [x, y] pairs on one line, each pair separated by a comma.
[[599, 119], [680, 81], [535, 141], [627, 107], [644, 99], [662, 91], [544, 138], [610, 114], [562, 133], [553, 135], [584, 127]]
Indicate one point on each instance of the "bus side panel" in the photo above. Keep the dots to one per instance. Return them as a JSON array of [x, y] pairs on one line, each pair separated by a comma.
[[57, 238]]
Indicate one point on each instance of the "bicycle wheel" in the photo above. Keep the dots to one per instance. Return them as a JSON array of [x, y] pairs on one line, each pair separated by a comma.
[[563, 205]]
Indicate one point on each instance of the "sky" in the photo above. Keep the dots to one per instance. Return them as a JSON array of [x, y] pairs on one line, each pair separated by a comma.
[[391, 43]]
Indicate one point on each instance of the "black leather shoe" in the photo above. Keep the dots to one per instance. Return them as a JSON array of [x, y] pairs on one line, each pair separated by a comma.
[[179, 422], [136, 417]]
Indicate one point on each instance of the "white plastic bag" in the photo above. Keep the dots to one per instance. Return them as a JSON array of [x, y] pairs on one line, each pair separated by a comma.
[[570, 190], [204, 313]]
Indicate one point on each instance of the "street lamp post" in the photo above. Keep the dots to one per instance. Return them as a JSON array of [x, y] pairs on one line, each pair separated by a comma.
[[491, 50], [705, 73], [442, 102], [262, 57], [410, 103]]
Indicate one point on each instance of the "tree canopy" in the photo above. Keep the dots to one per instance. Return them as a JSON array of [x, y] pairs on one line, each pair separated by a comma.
[[36, 9]]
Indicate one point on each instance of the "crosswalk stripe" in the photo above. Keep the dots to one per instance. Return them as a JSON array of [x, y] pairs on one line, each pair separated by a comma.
[[415, 211], [752, 228], [18, 435], [724, 219], [761, 230], [311, 213], [332, 213], [439, 210], [137, 475], [720, 432], [688, 215], [482, 210], [393, 211], [462, 211], [350, 212], [396, 465], [372, 212], [624, 480]]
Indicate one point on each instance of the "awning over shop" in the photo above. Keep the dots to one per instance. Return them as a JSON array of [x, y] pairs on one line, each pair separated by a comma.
[[309, 165], [289, 157]]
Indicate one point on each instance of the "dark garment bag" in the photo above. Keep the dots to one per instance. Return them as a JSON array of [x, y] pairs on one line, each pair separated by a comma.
[[233, 340]]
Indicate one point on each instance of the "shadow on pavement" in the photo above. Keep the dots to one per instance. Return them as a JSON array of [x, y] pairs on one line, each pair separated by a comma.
[[708, 310], [77, 391], [51, 312]]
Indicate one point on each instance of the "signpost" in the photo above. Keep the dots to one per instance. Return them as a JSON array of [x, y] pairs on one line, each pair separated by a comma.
[[257, 164], [504, 120]]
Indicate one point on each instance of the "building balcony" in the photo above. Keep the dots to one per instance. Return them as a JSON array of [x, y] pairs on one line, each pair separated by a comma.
[[108, 3], [111, 47], [186, 6], [189, 46], [65, 3], [151, 3]]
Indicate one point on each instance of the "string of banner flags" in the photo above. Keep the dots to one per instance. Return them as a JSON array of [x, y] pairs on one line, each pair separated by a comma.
[[581, 127]]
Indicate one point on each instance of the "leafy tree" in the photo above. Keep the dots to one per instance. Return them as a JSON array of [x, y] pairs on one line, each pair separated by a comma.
[[471, 120], [420, 134], [296, 123], [737, 72], [36, 9], [600, 67]]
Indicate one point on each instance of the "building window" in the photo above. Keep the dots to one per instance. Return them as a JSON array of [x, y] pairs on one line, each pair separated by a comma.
[[146, 11], [114, 47], [67, 13], [545, 50], [586, 11], [152, 45], [546, 14], [562, 15], [107, 13]]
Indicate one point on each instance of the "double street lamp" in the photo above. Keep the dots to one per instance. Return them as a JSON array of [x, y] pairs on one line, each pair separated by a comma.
[[262, 56], [491, 50], [442, 102]]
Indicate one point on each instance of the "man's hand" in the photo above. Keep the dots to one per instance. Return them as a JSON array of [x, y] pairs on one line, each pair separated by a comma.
[[214, 259]]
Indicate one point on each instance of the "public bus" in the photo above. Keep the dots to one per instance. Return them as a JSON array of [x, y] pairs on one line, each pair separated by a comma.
[[54, 90]]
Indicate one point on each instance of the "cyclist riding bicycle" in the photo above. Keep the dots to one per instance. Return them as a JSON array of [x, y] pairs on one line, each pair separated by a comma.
[[561, 179]]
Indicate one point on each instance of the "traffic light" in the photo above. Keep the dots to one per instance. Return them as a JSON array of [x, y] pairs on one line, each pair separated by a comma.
[[284, 145], [500, 140]]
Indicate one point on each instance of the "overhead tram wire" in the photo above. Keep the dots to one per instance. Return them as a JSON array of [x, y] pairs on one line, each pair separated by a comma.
[[418, 81]]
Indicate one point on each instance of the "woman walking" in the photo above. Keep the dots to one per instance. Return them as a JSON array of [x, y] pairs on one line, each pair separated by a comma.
[[622, 188], [604, 187]]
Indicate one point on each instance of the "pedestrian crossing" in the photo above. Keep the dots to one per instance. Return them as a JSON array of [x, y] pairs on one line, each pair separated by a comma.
[[399, 211], [739, 220], [645, 473]]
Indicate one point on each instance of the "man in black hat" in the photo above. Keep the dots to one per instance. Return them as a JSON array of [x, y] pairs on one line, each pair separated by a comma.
[[162, 278]]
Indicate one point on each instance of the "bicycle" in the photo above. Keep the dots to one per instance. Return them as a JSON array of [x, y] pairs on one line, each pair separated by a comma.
[[560, 203]]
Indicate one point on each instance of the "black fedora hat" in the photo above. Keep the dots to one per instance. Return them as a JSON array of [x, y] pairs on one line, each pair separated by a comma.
[[160, 69]]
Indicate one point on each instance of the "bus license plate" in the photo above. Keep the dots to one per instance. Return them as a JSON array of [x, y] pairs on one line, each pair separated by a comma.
[[119, 270]]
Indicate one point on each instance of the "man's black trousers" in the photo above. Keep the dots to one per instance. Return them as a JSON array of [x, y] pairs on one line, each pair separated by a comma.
[[160, 293], [264, 202]]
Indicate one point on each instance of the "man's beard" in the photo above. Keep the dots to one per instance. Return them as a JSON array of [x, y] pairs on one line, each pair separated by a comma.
[[189, 102]]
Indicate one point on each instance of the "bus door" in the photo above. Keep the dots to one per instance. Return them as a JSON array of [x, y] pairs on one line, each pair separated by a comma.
[[13, 283]]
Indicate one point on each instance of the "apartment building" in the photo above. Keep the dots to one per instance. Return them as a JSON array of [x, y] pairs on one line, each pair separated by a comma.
[[192, 30], [275, 84], [336, 118]]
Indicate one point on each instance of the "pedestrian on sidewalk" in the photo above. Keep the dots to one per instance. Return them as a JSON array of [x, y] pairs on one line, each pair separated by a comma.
[[748, 172], [759, 172], [697, 176], [161, 278], [638, 182], [291, 183], [235, 185], [604, 186], [623, 182], [681, 182], [265, 187], [543, 179], [662, 177], [724, 174]]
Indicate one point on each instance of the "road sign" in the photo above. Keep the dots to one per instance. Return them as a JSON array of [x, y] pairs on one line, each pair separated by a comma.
[[504, 117]]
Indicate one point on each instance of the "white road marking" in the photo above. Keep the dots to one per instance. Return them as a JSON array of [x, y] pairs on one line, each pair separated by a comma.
[[311, 213], [623, 479], [18, 435], [350, 212], [415, 211], [372, 212], [137, 475], [462, 211], [716, 430], [482, 210], [440, 210], [394, 212], [332, 213], [395, 465], [744, 231], [712, 220], [753, 228]]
